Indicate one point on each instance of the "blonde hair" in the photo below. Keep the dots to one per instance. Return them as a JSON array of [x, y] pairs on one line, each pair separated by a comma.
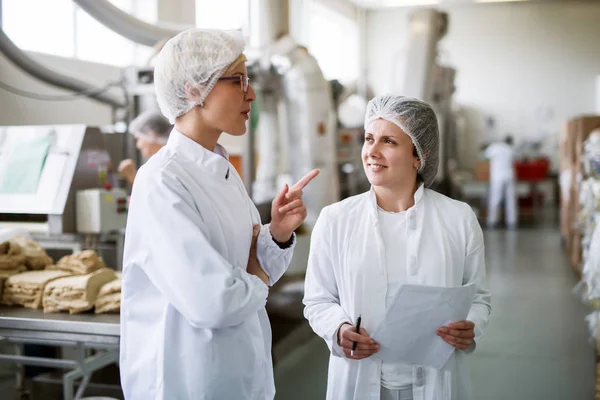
[[241, 59]]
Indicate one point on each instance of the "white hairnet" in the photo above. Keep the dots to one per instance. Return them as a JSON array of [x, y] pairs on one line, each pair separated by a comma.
[[417, 119], [150, 122], [189, 65]]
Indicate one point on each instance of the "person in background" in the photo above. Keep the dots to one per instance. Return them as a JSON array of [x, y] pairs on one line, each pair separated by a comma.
[[502, 183], [364, 248], [198, 263], [151, 131]]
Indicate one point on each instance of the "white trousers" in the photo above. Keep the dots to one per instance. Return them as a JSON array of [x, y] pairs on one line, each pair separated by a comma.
[[502, 189]]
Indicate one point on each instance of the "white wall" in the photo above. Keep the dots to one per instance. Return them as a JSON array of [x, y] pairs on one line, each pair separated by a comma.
[[514, 61], [17, 110]]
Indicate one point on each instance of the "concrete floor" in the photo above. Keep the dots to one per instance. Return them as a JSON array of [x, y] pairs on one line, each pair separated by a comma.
[[536, 346]]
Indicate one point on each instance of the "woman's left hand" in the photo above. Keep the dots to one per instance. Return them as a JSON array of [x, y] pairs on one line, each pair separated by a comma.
[[288, 210], [459, 335]]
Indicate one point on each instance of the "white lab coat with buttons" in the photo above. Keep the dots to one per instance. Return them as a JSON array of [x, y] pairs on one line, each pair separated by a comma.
[[346, 277], [193, 321]]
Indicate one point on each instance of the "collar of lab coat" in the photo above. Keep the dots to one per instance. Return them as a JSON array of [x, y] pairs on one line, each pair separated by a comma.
[[418, 197], [216, 161]]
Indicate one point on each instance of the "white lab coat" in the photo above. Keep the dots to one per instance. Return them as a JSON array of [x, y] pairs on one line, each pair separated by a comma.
[[193, 322], [502, 183], [346, 277]]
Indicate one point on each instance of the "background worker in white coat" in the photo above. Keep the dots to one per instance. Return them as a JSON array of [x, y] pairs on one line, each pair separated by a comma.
[[197, 268], [502, 183], [365, 247], [151, 131]]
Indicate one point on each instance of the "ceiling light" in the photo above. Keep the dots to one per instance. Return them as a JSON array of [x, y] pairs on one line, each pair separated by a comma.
[[407, 3], [497, 1]]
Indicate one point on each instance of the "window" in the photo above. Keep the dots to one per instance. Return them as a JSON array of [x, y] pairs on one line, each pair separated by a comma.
[[60, 27], [334, 41], [97, 43], [223, 14], [40, 25]]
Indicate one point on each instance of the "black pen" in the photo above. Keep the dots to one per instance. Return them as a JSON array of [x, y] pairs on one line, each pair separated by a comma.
[[357, 331]]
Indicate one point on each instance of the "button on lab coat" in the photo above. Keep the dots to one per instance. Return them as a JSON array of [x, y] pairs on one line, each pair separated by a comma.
[[193, 321], [346, 277]]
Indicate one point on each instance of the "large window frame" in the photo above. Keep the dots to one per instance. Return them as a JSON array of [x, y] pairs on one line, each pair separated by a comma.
[[61, 28]]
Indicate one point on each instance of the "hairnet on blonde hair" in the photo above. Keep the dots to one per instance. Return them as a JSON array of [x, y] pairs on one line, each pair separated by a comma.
[[190, 64]]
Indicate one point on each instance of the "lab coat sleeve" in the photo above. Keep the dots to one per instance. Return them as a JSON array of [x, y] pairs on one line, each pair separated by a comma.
[[321, 299], [474, 272], [207, 290], [273, 259], [489, 151]]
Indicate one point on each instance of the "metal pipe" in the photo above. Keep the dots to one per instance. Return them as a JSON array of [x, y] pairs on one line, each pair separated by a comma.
[[35, 69], [362, 84], [82, 386], [39, 362], [124, 24], [46, 342]]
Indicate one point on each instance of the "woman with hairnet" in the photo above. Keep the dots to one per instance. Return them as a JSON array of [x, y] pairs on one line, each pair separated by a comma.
[[197, 264], [364, 248], [151, 131]]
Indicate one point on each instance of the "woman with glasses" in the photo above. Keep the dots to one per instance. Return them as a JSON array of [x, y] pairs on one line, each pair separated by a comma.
[[197, 263]]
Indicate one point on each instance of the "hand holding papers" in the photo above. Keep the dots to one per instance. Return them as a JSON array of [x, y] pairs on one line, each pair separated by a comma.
[[459, 335], [407, 334]]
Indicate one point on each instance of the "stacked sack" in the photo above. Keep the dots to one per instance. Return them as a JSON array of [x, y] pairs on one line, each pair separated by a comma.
[[35, 256], [77, 293], [26, 289], [82, 263], [33, 281], [12, 261], [20, 254], [109, 297], [588, 223], [589, 199]]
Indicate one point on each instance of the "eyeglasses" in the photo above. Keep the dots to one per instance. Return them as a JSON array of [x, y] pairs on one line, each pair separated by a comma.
[[244, 81]]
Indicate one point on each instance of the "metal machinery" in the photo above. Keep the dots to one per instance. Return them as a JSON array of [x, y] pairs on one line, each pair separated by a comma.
[[46, 174], [427, 80], [83, 333], [42, 169], [296, 128]]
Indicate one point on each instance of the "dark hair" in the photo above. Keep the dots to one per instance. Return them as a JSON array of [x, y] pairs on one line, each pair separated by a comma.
[[509, 140]]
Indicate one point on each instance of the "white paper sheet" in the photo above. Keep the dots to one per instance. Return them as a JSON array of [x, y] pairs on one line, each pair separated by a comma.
[[407, 334]]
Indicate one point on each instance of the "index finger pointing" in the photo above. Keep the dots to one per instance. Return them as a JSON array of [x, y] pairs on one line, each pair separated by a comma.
[[306, 179]]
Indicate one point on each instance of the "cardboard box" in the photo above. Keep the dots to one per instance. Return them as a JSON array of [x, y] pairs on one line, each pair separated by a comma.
[[565, 152], [481, 170], [576, 252], [583, 127], [573, 135], [565, 227]]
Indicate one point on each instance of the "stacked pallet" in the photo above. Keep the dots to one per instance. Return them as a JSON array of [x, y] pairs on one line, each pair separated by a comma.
[[574, 134]]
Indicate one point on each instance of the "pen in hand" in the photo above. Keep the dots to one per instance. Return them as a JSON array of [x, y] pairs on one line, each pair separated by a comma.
[[357, 331]]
